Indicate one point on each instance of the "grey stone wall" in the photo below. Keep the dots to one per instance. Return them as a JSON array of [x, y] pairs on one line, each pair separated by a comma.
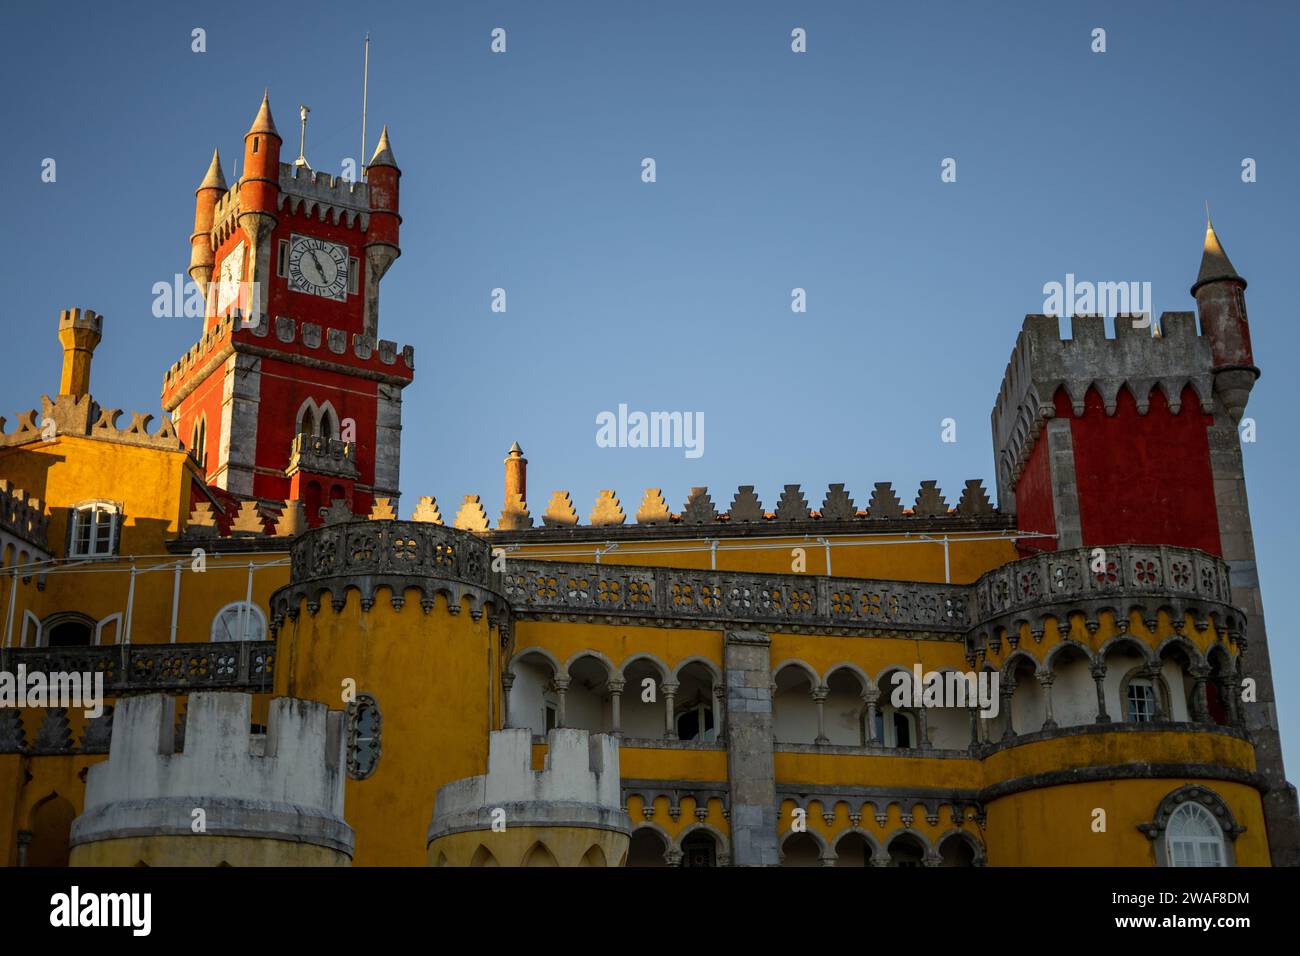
[[750, 765]]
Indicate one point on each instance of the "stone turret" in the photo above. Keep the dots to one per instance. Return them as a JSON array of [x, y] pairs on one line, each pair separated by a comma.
[[80, 331], [273, 799], [569, 814], [1221, 300]]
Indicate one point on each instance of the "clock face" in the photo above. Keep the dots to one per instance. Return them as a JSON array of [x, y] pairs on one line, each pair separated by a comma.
[[318, 267], [232, 273]]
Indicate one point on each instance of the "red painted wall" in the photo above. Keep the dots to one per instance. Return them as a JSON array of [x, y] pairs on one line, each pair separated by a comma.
[[1034, 508], [285, 386], [1145, 479], [303, 306]]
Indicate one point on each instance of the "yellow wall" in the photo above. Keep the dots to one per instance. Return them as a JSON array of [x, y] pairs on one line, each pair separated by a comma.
[[208, 850], [435, 677], [518, 846], [885, 557]]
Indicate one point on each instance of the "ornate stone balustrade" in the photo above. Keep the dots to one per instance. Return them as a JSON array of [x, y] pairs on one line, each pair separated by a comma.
[[1119, 579], [397, 555], [322, 456], [705, 598], [138, 668]]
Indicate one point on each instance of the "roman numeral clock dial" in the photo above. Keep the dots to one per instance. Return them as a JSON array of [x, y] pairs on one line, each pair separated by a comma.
[[318, 267]]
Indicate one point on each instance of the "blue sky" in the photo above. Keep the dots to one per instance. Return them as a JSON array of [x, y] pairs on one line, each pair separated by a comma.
[[775, 171]]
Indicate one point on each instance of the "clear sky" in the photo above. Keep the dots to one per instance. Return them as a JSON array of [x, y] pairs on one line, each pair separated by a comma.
[[821, 171]]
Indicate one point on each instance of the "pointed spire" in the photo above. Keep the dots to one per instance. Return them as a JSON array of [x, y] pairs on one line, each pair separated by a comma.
[[515, 451], [383, 151], [263, 122], [214, 178], [1215, 264]]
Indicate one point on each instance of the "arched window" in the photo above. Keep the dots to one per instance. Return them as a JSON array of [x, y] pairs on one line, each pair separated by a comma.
[[1194, 838], [239, 621], [67, 630], [94, 529], [199, 442], [327, 429], [1193, 826]]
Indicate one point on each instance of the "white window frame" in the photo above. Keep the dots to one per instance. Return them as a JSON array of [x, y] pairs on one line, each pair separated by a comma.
[[244, 632], [354, 275], [1195, 844], [92, 510], [888, 735]]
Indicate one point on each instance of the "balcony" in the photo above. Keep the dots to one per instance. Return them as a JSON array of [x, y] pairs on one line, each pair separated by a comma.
[[322, 456]]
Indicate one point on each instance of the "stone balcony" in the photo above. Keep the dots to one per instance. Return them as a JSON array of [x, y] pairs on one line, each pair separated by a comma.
[[322, 456]]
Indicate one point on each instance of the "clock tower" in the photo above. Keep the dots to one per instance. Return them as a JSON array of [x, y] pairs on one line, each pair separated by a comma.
[[290, 393]]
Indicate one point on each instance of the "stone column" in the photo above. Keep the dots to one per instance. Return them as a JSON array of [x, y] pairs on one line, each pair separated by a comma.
[[819, 695], [1200, 702], [1152, 673], [670, 692], [750, 768], [1008, 692], [507, 681], [615, 688], [871, 697], [719, 709], [923, 728], [561, 685], [1098, 672], [1045, 681], [24, 840], [974, 728]]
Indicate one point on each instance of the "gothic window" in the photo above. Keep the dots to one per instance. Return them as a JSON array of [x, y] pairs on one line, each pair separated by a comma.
[[93, 530], [199, 443], [239, 621], [364, 725]]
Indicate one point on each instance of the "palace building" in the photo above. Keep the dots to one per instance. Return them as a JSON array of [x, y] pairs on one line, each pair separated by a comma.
[[303, 668]]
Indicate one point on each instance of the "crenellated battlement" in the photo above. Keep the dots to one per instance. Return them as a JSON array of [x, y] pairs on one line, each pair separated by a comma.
[[286, 784], [380, 358], [791, 515], [23, 515], [84, 418], [329, 198], [81, 319], [579, 786], [1043, 362]]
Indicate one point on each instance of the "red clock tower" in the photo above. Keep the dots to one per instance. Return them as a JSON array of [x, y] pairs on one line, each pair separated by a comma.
[[289, 393]]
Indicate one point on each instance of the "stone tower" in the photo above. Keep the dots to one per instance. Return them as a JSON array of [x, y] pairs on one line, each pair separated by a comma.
[[228, 797], [297, 396], [1133, 440]]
